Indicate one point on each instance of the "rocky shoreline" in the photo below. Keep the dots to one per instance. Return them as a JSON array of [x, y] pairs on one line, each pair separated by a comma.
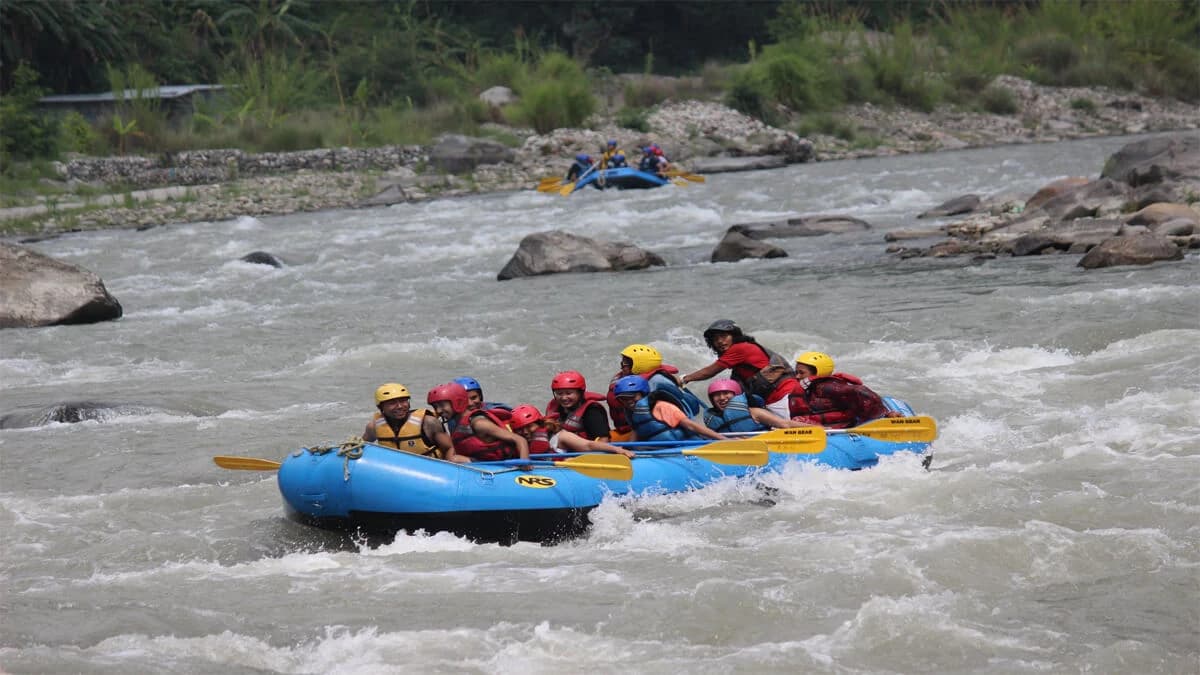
[[703, 136]]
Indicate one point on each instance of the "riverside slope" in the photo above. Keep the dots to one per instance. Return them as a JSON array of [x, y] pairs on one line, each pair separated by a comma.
[[1046, 114]]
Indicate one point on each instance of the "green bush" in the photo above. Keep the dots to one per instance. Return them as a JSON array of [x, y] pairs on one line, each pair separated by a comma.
[[998, 101], [554, 104], [1047, 56], [790, 80], [499, 70], [634, 118], [558, 95], [76, 134], [749, 94], [26, 133], [1083, 104], [646, 93]]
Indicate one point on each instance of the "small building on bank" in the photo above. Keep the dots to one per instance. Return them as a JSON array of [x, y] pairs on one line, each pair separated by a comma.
[[178, 101]]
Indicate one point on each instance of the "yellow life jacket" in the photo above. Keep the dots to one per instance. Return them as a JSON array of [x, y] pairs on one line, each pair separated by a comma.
[[409, 438]]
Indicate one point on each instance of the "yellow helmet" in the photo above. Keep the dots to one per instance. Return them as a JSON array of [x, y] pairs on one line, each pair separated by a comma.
[[821, 361], [645, 358], [389, 391]]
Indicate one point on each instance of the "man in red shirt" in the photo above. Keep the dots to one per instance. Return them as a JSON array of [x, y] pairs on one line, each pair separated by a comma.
[[760, 371]]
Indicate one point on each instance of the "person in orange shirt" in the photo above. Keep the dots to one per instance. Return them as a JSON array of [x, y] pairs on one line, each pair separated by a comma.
[[656, 420]]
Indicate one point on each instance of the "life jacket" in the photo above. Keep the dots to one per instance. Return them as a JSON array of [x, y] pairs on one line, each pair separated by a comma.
[[663, 380], [735, 417], [648, 427], [467, 443], [408, 438], [577, 169], [616, 412], [540, 443], [763, 382], [865, 406], [574, 421], [500, 410]]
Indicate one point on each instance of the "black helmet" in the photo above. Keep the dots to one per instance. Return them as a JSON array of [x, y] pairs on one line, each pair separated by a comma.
[[721, 326]]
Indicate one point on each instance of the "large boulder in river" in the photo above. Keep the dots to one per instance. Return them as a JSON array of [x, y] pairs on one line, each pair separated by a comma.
[[456, 153], [36, 290], [954, 207], [735, 245], [558, 252], [1155, 160], [1138, 249], [802, 226]]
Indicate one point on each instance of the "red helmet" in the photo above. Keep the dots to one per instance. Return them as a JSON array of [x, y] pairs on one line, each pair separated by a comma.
[[568, 379], [451, 391], [524, 415], [724, 385]]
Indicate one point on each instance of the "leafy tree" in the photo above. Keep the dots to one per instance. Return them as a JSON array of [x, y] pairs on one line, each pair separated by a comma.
[[24, 132]]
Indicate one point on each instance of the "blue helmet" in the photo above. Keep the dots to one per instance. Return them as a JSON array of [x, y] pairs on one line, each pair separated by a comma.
[[612, 143], [469, 383], [631, 384], [583, 158]]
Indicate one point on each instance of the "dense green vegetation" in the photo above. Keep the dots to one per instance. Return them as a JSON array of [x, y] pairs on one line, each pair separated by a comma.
[[302, 73]]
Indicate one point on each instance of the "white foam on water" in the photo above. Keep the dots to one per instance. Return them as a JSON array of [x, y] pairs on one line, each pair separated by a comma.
[[989, 362], [1113, 296], [247, 224], [419, 542], [516, 648], [37, 373]]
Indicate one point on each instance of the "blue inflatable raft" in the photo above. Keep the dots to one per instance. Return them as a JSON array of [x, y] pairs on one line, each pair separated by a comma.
[[624, 178], [375, 490]]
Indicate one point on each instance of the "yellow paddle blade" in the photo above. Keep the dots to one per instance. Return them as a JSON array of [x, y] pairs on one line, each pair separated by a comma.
[[680, 182], [550, 187], [602, 466], [919, 429], [694, 177], [246, 463], [800, 440], [549, 179], [567, 189], [740, 453]]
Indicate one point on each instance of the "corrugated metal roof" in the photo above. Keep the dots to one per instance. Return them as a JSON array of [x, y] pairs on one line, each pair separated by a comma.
[[167, 92]]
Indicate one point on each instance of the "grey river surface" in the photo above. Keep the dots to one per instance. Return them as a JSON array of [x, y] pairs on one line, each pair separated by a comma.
[[1058, 530]]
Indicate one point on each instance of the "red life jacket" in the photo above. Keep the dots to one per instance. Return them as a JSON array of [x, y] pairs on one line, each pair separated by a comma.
[[467, 443], [838, 401], [574, 421], [616, 411], [540, 443]]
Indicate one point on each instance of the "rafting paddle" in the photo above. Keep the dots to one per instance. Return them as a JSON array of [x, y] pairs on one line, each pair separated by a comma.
[[797, 440], [597, 465], [246, 463], [694, 177], [736, 453], [916, 429], [739, 453]]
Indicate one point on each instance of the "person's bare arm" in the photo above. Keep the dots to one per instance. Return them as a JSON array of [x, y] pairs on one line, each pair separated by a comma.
[[704, 373], [576, 443], [767, 418], [700, 429], [434, 432], [486, 428]]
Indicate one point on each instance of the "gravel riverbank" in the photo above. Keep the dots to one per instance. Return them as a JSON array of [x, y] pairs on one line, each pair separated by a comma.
[[690, 130]]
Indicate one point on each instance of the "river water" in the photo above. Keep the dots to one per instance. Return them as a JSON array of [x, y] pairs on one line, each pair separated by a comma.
[[1058, 530]]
